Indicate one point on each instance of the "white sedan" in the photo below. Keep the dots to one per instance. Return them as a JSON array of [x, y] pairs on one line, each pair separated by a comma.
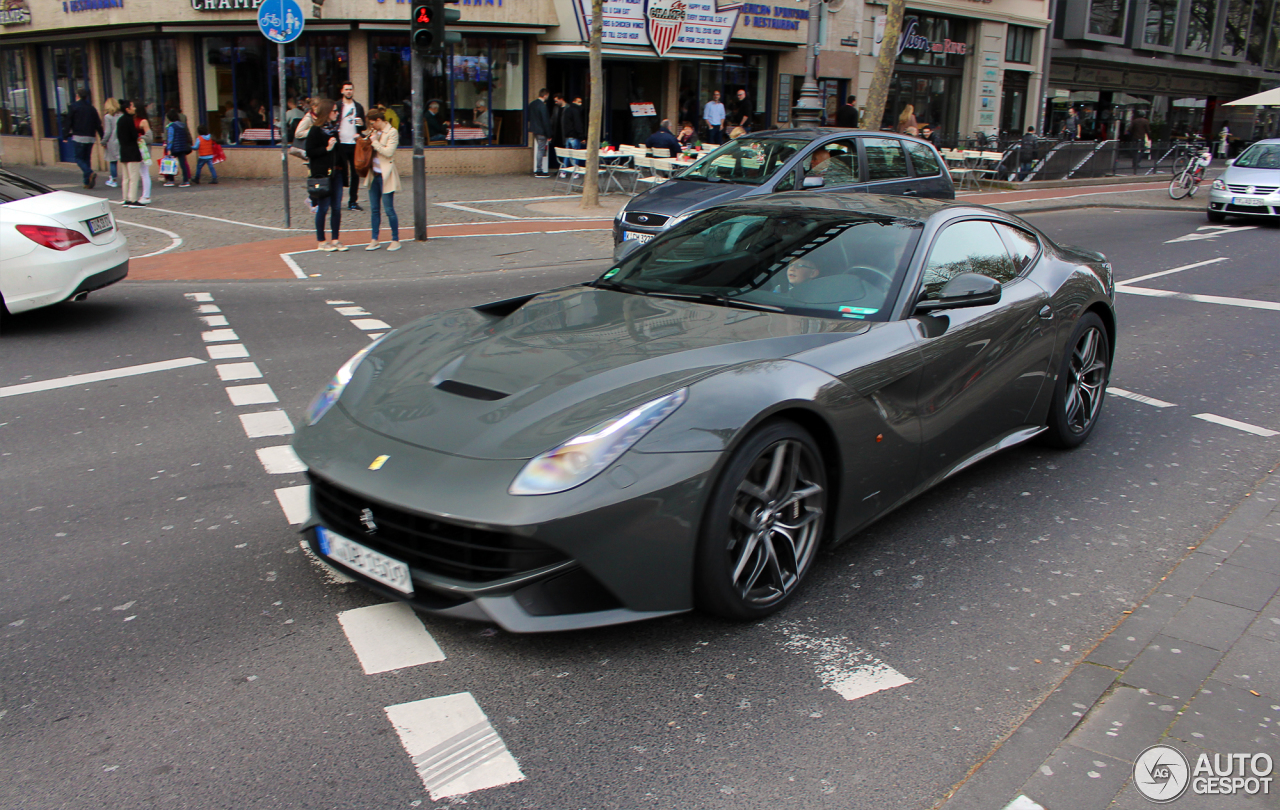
[[54, 245]]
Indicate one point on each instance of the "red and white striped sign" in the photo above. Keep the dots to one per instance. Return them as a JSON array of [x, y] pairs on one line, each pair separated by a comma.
[[666, 19]]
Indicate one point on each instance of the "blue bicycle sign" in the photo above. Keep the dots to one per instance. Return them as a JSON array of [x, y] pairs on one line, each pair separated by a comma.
[[280, 20]]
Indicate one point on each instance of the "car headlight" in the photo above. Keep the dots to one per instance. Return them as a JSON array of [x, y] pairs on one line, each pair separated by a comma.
[[1218, 185], [329, 394], [586, 455]]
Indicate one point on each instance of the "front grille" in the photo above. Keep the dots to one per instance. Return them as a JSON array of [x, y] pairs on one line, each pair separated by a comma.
[[645, 220], [1260, 191], [427, 544]]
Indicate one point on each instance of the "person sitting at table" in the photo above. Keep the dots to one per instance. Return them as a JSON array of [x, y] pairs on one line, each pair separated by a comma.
[[482, 118], [435, 127], [663, 139], [687, 135]]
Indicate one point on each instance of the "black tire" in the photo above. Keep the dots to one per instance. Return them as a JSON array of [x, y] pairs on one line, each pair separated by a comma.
[[759, 540], [1082, 384], [1216, 216]]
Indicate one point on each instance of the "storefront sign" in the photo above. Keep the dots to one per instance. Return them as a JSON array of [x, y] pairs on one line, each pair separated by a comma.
[[72, 6], [663, 24], [226, 5], [14, 12], [643, 109], [913, 41], [787, 19]]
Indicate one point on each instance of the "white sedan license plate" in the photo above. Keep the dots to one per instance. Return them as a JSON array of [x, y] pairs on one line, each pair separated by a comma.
[[392, 573], [100, 224], [1250, 201], [635, 236]]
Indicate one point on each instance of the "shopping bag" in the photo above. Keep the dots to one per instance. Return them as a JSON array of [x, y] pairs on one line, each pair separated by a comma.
[[219, 156], [169, 165]]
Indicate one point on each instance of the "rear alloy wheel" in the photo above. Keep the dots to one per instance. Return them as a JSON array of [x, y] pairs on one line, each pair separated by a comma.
[[764, 524], [1082, 384]]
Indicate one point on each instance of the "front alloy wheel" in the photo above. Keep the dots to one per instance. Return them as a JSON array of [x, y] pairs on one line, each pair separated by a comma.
[[1082, 384], [766, 522]]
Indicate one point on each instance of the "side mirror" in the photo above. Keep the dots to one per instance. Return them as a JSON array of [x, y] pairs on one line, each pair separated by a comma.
[[814, 182], [965, 290]]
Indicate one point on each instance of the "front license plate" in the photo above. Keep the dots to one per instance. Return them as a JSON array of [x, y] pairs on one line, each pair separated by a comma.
[[100, 224], [636, 237], [392, 573], [1250, 201]]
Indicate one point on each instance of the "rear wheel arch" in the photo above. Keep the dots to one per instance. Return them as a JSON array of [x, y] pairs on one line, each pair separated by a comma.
[[1108, 319]]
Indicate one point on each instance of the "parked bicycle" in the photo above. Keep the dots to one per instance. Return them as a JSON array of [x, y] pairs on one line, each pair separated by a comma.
[[1188, 172]]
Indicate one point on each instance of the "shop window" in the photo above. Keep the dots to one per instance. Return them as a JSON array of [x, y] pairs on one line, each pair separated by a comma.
[[1235, 34], [1017, 47], [1261, 36], [15, 104], [1161, 20], [885, 158], [64, 69], [1200, 25], [241, 86], [474, 93], [746, 71], [922, 34], [1106, 17], [144, 71]]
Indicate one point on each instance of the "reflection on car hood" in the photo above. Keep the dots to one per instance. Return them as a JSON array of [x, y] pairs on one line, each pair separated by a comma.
[[1241, 176], [470, 384], [675, 197]]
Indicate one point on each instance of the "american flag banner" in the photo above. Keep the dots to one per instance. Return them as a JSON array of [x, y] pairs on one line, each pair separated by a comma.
[[666, 18]]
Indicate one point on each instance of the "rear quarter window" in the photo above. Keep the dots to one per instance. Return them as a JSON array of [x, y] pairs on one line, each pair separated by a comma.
[[923, 160]]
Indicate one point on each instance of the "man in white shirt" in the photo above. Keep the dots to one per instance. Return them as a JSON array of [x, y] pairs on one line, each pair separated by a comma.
[[350, 125], [713, 115]]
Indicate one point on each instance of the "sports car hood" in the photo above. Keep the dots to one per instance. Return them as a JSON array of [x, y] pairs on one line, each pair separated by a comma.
[[477, 385]]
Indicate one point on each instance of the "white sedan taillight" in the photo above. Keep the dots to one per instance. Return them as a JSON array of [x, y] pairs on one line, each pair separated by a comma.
[[51, 237]]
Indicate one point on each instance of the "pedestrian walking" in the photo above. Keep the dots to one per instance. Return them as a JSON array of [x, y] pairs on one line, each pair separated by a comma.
[[540, 125], [84, 127], [383, 181], [111, 140], [1140, 136], [206, 151], [177, 144], [325, 160], [145, 139], [131, 148], [1071, 128], [907, 119], [1027, 149], [713, 116], [847, 114], [350, 127]]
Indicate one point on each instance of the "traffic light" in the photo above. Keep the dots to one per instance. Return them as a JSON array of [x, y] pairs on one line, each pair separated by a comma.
[[427, 27]]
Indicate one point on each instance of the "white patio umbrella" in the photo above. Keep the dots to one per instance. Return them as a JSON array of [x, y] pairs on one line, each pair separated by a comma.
[[1267, 98]]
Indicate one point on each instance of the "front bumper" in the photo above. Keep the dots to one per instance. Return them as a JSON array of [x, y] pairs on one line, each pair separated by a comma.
[[619, 548], [1227, 202]]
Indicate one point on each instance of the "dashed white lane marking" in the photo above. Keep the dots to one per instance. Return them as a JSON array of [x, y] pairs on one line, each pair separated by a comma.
[[296, 503], [214, 320], [369, 324], [331, 574], [850, 672], [252, 394], [266, 423], [1120, 392], [280, 460], [389, 636], [1231, 423], [335, 303], [98, 376], [1203, 299], [228, 372], [454, 748], [1174, 270], [208, 309], [1023, 803], [351, 312], [226, 351], [376, 335], [198, 296], [218, 336]]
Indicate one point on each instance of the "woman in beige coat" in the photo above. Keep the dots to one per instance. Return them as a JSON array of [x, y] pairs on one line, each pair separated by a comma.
[[382, 181]]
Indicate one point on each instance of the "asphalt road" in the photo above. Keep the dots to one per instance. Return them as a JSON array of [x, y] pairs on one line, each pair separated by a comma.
[[164, 642]]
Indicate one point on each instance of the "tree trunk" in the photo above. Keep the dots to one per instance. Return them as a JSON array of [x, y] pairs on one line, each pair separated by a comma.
[[873, 113], [595, 111]]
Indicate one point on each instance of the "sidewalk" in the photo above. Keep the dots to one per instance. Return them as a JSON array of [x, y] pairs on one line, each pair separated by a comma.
[[1195, 666]]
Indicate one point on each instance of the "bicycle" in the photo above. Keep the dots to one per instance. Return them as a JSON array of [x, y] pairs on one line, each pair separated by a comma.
[[1188, 172]]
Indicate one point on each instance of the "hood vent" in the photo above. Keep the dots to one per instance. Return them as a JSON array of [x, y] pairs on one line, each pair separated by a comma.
[[470, 391]]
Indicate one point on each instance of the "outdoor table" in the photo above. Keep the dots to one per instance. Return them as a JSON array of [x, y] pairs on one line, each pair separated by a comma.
[[461, 133], [262, 134]]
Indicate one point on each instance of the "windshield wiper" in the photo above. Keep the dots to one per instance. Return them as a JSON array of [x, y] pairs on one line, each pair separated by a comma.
[[717, 299], [616, 286]]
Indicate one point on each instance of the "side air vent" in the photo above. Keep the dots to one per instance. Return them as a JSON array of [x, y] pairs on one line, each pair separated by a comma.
[[470, 391]]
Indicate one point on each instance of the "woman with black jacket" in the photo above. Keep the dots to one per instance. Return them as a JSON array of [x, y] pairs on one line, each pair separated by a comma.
[[324, 161], [130, 155]]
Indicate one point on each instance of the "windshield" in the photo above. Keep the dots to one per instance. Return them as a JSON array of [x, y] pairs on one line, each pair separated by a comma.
[[13, 187], [1260, 156], [801, 261], [744, 160]]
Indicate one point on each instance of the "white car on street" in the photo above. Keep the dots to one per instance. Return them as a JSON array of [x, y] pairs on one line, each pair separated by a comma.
[[54, 245]]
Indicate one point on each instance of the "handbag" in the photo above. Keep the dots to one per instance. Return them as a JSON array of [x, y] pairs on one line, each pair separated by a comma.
[[318, 188], [169, 165], [364, 156]]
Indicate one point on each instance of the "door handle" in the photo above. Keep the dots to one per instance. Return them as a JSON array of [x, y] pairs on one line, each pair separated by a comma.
[[911, 193], [1046, 312]]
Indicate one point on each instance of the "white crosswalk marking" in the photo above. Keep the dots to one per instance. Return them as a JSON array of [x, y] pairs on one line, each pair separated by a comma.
[[227, 372], [454, 748], [351, 312], [848, 671], [208, 309], [296, 503], [1145, 400], [214, 320], [266, 423], [280, 460], [226, 351], [369, 324], [388, 637], [251, 394], [1232, 423], [198, 296], [218, 336]]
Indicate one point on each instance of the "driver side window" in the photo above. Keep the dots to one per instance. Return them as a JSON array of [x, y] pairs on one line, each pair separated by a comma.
[[967, 247], [836, 162]]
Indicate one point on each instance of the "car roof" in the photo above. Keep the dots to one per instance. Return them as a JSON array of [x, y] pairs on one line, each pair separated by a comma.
[[814, 133], [914, 208]]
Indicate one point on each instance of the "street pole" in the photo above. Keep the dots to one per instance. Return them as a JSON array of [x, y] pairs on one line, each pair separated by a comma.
[[419, 159], [808, 109], [284, 144]]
